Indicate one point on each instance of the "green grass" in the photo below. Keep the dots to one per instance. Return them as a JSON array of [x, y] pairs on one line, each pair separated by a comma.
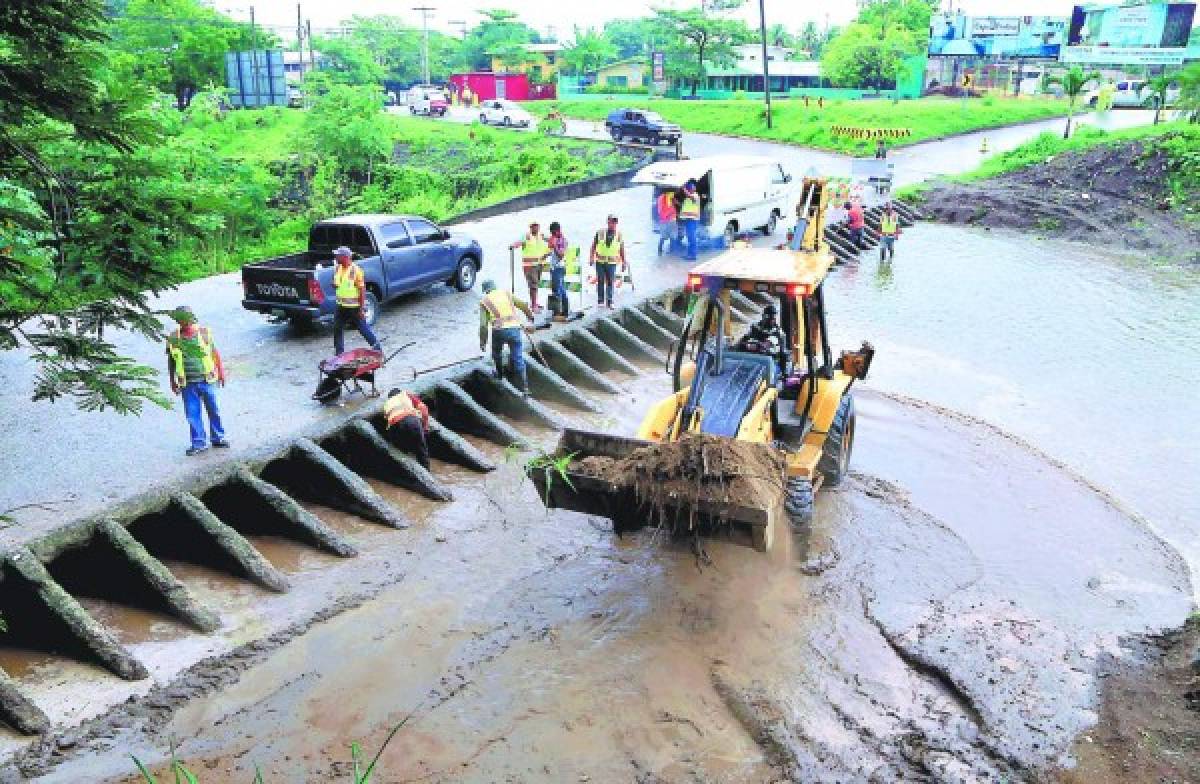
[[1181, 141], [926, 118]]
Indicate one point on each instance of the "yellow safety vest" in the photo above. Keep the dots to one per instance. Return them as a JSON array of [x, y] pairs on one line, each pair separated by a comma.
[[690, 208], [533, 249], [398, 408], [888, 226], [175, 349], [608, 252], [500, 306], [345, 284]]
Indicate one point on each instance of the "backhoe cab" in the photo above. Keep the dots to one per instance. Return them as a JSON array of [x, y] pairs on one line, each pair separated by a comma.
[[792, 406]]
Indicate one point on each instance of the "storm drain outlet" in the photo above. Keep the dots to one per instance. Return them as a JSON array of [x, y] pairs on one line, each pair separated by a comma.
[[503, 398], [460, 411], [311, 474], [445, 445], [185, 530], [112, 565], [43, 617], [257, 508], [363, 450]]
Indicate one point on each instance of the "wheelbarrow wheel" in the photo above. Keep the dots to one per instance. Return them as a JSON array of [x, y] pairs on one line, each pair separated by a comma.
[[329, 389]]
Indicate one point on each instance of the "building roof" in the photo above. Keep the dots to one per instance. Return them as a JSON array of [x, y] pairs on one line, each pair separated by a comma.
[[777, 68], [626, 61], [544, 48]]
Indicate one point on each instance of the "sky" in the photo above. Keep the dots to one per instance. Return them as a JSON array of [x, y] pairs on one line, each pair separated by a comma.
[[544, 14]]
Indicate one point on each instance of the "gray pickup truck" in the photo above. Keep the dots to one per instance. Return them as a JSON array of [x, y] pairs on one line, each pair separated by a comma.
[[397, 253]]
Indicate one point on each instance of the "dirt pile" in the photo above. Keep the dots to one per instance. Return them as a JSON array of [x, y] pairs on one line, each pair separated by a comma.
[[698, 467], [1111, 195]]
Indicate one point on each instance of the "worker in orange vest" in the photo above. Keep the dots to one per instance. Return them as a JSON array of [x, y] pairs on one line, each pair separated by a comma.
[[407, 423]]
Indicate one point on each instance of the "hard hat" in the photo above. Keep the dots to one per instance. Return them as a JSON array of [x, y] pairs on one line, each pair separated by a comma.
[[487, 286], [342, 251]]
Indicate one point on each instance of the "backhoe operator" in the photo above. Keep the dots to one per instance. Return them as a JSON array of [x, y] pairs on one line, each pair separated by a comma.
[[766, 337]]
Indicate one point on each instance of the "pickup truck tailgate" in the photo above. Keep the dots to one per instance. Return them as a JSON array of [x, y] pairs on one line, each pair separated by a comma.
[[287, 287]]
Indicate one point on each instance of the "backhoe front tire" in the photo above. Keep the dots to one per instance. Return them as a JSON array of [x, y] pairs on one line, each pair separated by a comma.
[[798, 502], [839, 444]]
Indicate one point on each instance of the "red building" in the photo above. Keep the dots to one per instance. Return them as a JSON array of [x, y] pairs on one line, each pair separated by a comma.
[[488, 86]]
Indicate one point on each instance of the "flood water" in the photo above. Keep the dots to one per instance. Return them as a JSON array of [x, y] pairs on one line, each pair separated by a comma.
[[1092, 357]]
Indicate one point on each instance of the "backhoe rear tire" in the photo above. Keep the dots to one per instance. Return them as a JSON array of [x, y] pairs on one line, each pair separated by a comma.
[[839, 443], [798, 502]]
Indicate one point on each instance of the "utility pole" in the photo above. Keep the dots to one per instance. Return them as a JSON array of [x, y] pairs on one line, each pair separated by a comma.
[[300, 41], [425, 10], [762, 29], [254, 56]]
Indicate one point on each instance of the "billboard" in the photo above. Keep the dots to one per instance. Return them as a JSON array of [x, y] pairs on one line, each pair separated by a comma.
[[1141, 34], [956, 34]]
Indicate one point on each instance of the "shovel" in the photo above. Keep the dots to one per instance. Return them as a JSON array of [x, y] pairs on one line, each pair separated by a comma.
[[413, 373]]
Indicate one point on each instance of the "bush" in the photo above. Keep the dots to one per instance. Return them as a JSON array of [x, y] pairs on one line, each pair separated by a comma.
[[614, 89]]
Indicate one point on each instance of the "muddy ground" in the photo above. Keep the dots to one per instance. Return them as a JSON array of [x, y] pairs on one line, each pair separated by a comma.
[[942, 620], [1115, 196]]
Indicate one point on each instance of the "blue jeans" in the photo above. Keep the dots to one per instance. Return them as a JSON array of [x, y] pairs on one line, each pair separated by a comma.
[[353, 316], [666, 233], [689, 227], [558, 286], [887, 246], [196, 395], [511, 337], [606, 276]]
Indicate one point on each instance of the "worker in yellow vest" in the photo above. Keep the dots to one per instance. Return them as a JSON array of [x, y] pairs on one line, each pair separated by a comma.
[[193, 366], [407, 419], [889, 230], [608, 250], [350, 288], [535, 249], [500, 316], [689, 216]]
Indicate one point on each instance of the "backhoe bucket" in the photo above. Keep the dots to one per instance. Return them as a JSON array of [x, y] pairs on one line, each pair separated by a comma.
[[575, 486]]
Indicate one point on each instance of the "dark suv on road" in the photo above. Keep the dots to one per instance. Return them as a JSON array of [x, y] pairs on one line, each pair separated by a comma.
[[639, 124]]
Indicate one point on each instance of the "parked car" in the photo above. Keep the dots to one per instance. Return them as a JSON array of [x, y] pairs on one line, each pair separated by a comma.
[[295, 97], [429, 101], [1128, 94], [504, 113], [1149, 99], [397, 253], [738, 193], [640, 124]]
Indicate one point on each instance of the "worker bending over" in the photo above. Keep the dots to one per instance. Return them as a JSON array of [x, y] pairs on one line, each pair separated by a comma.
[[500, 315], [407, 423]]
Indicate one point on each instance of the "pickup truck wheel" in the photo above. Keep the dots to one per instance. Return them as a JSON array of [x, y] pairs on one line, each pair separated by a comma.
[[464, 276], [301, 325], [507, 121], [371, 306], [412, 110], [616, 134], [483, 119], [655, 140]]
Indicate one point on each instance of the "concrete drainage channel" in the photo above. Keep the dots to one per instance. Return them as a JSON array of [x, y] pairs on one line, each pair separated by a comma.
[[122, 557]]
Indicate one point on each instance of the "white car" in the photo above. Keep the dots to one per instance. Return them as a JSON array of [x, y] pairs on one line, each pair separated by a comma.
[[504, 113]]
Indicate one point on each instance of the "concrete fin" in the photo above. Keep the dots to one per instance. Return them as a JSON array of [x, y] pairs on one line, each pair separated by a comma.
[[663, 317], [365, 451], [744, 303], [158, 578], [545, 383], [645, 328], [236, 555], [760, 298], [445, 444], [18, 711], [460, 411], [254, 506], [625, 342], [574, 369], [75, 627], [310, 473], [593, 351], [503, 398]]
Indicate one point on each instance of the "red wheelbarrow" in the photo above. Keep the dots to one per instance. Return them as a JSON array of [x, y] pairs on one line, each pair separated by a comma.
[[349, 371]]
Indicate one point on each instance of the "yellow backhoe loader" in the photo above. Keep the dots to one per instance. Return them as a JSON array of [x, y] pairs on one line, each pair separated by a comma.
[[791, 408]]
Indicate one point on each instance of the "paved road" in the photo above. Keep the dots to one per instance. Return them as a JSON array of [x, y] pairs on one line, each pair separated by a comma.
[[72, 464]]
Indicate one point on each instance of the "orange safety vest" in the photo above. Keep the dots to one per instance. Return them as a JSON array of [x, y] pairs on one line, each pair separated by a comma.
[[500, 306], [346, 281], [398, 408]]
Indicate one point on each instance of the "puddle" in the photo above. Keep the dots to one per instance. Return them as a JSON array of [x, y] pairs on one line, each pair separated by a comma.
[[132, 625], [290, 556]]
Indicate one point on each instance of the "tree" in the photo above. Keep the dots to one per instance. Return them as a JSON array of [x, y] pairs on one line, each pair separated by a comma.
[[500, 31], [633, 37], [396, 47], [860, 57], [778, 35], [180, 45], [88, 204], [345, 125], [1157, 88], [1073, 82], [812, 39], [695, 39], [347, 61], [588, 51], [1189, 91]]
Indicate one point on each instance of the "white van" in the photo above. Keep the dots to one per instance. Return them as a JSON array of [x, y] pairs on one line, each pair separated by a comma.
[[738, 193]]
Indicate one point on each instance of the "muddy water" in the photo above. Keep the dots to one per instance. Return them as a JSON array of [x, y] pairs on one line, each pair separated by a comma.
[[1093, 357]]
